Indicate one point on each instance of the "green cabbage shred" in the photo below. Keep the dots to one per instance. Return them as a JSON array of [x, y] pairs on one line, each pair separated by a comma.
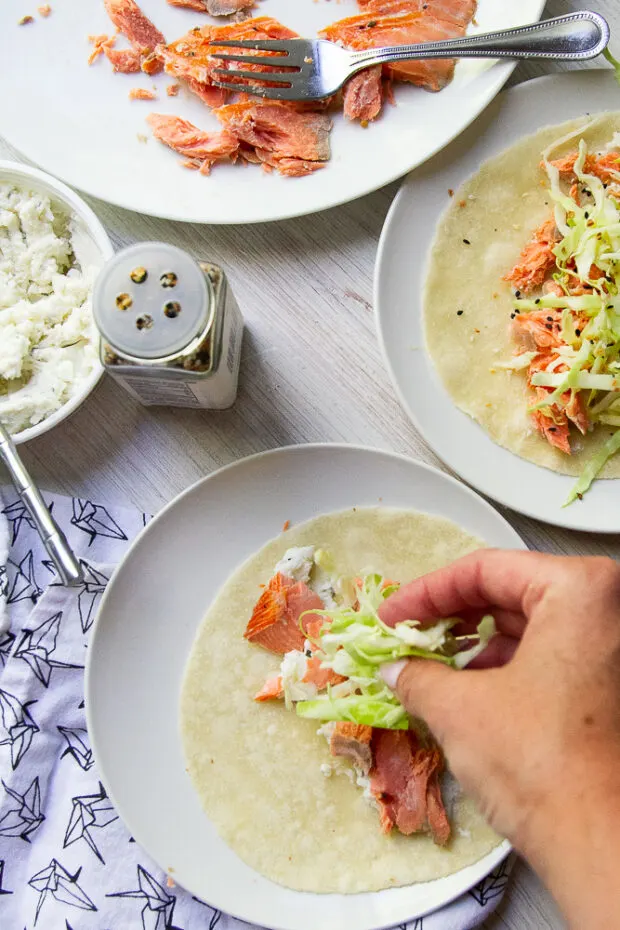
[[356, 643], [590, 238]]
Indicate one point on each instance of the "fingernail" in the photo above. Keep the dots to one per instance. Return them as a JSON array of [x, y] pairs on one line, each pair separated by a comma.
[[391, 671]]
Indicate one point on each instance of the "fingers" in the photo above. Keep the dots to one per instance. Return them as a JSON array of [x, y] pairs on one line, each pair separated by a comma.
[[432, 691], [499, 651], [486, 578]]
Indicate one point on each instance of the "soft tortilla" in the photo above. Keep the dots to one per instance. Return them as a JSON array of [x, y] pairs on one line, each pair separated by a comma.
[[504, 203], [256, 767]]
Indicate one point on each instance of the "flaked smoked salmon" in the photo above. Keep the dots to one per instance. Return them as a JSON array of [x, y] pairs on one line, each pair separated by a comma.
[[142, 35], [367, 31], [363, 94], [190, 58], [204, 148], [134, 25], [352, 741], [606, 167], [123, 60], [536, 259], [460, 12], [274, 623], [140, 93], [403, 774], [294, 142]]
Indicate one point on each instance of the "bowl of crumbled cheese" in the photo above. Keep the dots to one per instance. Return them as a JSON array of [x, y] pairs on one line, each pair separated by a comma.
[[52, 247]]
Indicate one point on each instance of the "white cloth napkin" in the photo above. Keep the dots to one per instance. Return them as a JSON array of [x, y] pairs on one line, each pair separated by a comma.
[[66, 860]]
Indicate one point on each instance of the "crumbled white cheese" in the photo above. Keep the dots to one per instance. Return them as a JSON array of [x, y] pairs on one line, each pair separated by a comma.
[[47, 334], [327, 770], [293, 668], [326, 730], [297, 563]]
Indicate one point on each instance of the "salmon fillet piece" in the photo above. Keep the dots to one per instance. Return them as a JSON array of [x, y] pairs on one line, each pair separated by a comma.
[[205, 148], [274, 623], [460, 12], [134, 25], [366, 31], [352, 741], [283, 138], [363, 94], [403, 775], [536, 259], [123, 60], [189, 58]]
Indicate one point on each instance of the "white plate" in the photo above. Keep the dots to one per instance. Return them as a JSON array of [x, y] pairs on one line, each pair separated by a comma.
[[142, 638], [78, 123], [455, 437]]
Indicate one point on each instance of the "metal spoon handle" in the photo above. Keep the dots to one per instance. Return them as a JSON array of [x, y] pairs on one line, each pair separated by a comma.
[[69, 569]]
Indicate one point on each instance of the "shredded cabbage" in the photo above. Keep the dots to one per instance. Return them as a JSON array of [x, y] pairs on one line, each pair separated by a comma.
[[613, 62], [355, 643], [587, 259]]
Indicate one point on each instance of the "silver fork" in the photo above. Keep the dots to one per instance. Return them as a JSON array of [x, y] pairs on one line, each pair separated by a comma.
[[322, 67]]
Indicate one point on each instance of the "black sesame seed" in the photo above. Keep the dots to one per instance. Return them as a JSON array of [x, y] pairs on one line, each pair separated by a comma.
[[552, 429], [577, 332], [459, 313], [466, 241], [537, 301], [517, 293], [548, 326], [517, 311], [550, 319]]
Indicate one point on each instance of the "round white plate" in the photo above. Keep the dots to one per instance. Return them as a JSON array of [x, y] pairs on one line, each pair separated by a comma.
[[78, 122], [399, 278], [143, 634]]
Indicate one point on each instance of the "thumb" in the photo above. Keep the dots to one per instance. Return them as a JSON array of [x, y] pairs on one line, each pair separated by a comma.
[[432, 691]]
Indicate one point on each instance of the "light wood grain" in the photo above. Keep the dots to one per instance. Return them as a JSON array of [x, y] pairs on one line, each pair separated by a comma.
[[311, 371]]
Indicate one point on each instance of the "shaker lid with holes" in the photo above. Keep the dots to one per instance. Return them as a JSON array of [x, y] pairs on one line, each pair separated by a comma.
[[151, 300]]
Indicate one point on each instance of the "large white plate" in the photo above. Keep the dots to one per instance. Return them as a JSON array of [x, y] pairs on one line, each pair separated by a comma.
[[78, 123], [143, 634], [399, 279]]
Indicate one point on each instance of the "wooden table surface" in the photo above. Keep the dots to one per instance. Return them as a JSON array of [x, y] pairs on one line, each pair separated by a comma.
[[311, 372]]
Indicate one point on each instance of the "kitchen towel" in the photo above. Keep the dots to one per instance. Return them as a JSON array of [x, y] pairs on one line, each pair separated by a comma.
[[66, 860]]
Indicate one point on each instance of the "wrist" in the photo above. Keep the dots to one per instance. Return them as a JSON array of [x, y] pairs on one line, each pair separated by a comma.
[[571, 837]]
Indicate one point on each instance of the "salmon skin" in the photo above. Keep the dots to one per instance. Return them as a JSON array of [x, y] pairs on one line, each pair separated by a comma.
[[352, 741]]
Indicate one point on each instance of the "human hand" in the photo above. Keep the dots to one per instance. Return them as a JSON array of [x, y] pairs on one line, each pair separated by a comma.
[[534, 737]]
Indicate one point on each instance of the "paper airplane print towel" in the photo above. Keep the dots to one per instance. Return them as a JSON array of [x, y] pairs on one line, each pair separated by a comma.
[[66, 860]]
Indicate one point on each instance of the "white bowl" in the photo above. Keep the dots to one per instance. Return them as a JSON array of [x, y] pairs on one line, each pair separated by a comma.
[[96, 247]]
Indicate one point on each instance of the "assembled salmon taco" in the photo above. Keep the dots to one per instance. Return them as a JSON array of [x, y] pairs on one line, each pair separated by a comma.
[[304, 761], [522, 299]]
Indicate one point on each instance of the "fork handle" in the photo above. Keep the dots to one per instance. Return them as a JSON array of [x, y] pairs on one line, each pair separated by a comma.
[[574, 37]]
